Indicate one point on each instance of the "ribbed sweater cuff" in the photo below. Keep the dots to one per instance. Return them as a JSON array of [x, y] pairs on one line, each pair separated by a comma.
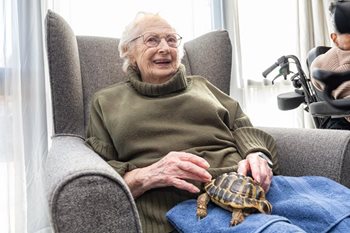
[[251, 139], [121, 167]]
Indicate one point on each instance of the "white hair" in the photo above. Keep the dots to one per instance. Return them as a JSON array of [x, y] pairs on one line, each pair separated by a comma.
[[133, 30]]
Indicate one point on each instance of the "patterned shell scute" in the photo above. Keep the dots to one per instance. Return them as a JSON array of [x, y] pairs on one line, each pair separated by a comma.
[[238, 191]]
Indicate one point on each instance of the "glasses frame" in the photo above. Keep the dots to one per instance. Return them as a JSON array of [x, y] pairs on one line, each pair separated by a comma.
[[178, 37]]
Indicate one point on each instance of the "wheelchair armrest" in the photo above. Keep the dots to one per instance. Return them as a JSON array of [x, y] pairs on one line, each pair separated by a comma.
[[323, 109], [290, 100], [331, 81], [85, 194]]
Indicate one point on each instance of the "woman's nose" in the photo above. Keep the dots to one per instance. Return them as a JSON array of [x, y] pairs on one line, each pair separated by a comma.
[[163, 44]]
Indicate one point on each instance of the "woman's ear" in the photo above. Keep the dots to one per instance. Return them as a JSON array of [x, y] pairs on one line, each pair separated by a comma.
[[334, 38], [132, 60], [131, 55]]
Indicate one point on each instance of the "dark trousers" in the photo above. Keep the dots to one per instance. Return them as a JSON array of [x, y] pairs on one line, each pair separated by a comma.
[[336, 123]]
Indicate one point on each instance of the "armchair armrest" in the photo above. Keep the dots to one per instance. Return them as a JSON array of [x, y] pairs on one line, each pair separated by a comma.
[[85, 194], [318, 152]]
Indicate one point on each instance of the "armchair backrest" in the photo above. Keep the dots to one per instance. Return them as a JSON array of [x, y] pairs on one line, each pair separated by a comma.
[[81, 65]]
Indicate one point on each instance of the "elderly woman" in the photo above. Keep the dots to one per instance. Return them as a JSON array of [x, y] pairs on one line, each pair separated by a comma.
[[166, 133]]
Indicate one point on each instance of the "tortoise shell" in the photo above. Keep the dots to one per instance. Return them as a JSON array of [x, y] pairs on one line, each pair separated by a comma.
[[237, 193]]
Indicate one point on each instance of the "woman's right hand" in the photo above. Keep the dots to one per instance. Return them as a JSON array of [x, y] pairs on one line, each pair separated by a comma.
[[174, 169]]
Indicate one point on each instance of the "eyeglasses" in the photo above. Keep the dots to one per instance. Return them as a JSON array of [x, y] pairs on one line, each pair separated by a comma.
[[152, 40]]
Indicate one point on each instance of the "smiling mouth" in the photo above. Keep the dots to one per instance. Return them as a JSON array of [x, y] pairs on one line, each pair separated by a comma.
[[162, 62]]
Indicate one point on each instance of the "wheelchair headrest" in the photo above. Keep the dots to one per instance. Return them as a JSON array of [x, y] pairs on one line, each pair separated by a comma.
[[342, 16]]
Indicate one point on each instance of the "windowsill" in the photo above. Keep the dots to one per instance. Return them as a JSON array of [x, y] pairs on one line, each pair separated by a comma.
[[268, 82], [2, 82]]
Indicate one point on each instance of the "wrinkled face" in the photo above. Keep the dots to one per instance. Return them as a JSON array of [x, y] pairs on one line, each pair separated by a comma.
[[342, 41], [157, 63]]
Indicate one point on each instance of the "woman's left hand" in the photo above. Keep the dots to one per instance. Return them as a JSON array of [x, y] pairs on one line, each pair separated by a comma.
[[258, 168]]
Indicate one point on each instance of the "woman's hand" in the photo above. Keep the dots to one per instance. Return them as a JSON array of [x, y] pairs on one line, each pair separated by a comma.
[[174, 169], [258, 168]]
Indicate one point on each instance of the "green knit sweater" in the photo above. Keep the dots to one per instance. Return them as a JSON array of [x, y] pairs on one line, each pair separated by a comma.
[[133, 124]]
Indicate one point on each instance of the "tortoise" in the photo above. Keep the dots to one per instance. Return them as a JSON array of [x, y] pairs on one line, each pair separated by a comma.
[[234, 192]]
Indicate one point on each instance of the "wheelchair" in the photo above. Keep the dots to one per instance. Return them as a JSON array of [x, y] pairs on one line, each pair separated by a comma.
[[320, 104]]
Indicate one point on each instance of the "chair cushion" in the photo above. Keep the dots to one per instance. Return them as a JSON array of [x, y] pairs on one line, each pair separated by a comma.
[[100, 66], [202, 53]]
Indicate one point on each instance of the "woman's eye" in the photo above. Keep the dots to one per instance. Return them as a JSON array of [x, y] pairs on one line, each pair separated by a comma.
[[152, 39], [171, 39]]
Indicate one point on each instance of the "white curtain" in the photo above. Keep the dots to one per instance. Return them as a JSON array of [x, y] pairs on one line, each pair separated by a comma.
[[261, 32], [23, 133], [231, 24], [314, 24]]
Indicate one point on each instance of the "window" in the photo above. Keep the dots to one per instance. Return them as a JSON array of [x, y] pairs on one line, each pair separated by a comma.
[[109, 17], [268, 30]]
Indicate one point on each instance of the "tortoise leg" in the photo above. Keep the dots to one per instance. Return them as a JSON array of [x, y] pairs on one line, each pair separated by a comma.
[[202, 202], [237, 217]]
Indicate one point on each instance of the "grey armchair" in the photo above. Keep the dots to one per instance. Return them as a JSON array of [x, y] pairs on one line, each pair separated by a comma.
[[84, 193]]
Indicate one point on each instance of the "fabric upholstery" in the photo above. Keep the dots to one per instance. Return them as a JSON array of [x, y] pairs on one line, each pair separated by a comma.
[[202, 53], [85, 194], [65, 76], [318, 152], [100, 66]]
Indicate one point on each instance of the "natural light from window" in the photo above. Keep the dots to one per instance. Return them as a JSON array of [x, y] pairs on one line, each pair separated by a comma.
[[109, 17], [267, 31]]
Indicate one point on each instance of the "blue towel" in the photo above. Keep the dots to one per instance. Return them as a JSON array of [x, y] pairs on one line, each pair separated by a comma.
[[300, 204]]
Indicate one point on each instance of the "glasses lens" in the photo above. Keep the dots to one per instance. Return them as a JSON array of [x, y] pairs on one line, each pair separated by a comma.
[[153, 40], [172, 40]]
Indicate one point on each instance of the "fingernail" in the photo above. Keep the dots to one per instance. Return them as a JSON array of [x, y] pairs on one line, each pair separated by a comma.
[[208, 175], [257, 179]]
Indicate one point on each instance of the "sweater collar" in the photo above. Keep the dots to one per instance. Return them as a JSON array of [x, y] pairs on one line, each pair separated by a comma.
[[177, 83]]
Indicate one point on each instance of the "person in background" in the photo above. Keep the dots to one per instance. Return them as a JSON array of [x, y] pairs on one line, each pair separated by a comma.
[[336, 59], [167, 133]]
